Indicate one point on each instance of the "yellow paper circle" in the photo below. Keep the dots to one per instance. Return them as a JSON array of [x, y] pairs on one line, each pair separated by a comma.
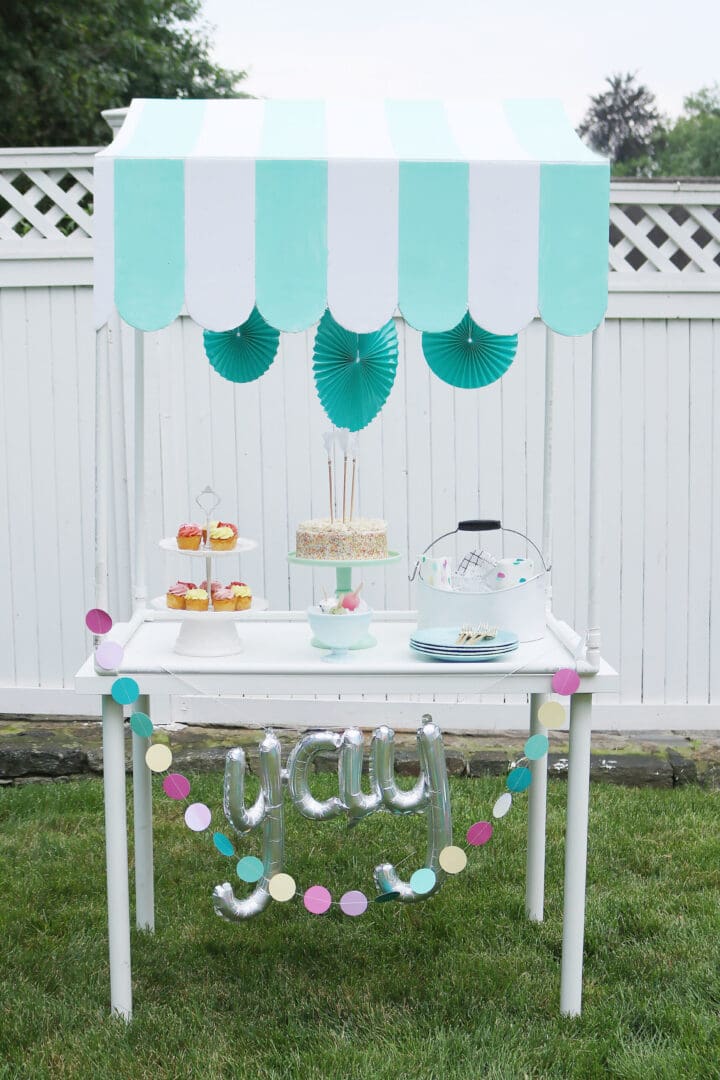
[[551, 714], [452, 859], [281, 887], [158, 757]]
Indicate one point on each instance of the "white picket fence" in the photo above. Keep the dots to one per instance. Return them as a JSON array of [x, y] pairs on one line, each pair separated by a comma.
[[433, 456]]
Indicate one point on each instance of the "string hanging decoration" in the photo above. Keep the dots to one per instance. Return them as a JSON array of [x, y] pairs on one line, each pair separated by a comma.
[[468, 356], [245, 353], [354, 373]]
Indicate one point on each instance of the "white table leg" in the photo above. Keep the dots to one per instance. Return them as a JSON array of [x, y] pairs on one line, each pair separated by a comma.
[[576, 837], [537, 806], [142, 818], [118, 898]]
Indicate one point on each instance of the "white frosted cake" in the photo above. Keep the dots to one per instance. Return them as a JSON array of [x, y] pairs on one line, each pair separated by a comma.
[[362, 538]]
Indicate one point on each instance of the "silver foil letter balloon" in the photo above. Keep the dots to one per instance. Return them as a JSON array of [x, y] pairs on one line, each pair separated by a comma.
[[299, 762], [439, 819], [268, 810], [382, 777], [350, 764]]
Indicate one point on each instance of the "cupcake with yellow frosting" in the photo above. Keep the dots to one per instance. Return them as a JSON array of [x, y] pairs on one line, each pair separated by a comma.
[[242, 594], [197, 600], [222, 538]]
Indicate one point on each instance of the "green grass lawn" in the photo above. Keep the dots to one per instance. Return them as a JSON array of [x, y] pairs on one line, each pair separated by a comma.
[[459, 986]]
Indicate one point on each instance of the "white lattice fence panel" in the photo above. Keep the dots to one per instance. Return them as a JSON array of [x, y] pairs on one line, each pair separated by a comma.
[[52, 204], [648, 237]]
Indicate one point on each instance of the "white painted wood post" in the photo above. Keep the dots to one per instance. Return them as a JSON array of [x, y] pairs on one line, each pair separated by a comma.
[[576, 839], [143, 829], [593, 630], [537, 812], [548, 457], [102, 440], [118, 899], [139, 583]]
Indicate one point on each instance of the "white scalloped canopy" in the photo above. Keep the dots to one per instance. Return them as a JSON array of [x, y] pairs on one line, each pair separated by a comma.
[[435, 208]]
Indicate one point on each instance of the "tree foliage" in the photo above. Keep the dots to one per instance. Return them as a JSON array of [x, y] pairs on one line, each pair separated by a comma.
[[691, 146], [622, 121], [63, 61]]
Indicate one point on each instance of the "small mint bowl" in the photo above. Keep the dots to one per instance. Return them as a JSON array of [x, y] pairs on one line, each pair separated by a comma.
[[338, 633]]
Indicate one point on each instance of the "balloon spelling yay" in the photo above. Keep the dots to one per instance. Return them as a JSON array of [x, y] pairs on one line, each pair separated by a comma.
[[429, 796]]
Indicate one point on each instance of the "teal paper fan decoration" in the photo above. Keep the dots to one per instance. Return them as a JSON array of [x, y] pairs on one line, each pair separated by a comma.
[[245, 353], [469, 356], [354, 373]]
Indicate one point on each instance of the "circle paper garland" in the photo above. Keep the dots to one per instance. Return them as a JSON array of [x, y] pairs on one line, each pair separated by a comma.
[[282, 887], [158, 757], [98, 621], [108, 655]]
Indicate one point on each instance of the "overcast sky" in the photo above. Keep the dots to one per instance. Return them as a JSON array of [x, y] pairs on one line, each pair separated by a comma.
[[468, 48]]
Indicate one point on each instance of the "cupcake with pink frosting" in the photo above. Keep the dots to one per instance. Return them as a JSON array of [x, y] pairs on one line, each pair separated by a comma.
[[189, 537], [175, 596], [223, 599], [213, 588]]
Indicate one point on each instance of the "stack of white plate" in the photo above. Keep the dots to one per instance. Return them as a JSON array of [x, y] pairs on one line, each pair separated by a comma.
[[441, 643]]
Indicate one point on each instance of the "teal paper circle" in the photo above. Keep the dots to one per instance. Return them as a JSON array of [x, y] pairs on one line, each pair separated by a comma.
[[250, 869], [245, 353], [519, 779], [141, 724], [386, 897], [125, 691], [354, 373], [536, 746], [223, 844], [423, 881], [468, 356]]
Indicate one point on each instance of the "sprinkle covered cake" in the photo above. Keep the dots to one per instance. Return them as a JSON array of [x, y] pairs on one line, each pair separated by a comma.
[[361, 538]]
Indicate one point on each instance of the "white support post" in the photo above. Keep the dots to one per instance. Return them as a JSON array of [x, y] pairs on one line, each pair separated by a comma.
[[537, 810], [548, 456], [101, 467], [143, 829], [576, 839], [118, 899], [593, 631], [139, 583]]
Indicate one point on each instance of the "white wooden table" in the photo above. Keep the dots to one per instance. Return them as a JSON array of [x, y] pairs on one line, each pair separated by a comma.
[[278, 658]]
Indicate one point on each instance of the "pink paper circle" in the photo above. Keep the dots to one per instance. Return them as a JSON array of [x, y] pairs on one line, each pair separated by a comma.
[[479, 833], [98, 621], [353, 903], [197, 816], [317, 899], [565, 681], [177, 786], [108, 655]]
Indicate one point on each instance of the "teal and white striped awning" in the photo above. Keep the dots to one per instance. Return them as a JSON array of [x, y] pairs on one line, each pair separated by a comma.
[[435, 208]]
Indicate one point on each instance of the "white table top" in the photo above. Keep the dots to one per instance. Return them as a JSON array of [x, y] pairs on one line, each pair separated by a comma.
[[277, 657]]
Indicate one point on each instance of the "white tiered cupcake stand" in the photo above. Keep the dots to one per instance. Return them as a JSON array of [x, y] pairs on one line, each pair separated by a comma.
[[207, 633]]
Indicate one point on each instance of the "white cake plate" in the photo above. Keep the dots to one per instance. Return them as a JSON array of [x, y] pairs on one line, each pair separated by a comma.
[[207, 633]]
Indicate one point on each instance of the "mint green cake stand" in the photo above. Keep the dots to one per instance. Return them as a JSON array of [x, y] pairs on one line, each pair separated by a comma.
[[343, 583]]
